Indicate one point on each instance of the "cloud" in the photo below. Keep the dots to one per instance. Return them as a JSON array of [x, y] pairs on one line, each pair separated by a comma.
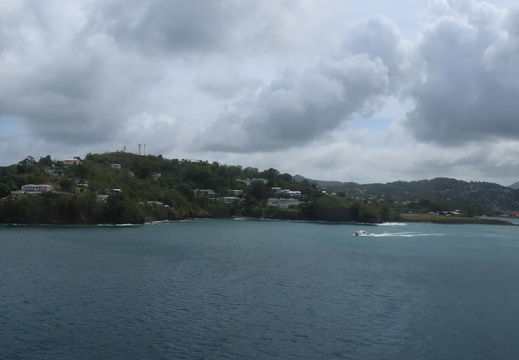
[[463, 94], [379, 37], [298, 107], [225, 86], [67, 86], [502, 56], [169, 26], [202, 27]]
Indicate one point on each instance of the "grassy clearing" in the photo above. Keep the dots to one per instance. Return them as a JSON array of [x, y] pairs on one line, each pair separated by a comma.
[[451, 219]]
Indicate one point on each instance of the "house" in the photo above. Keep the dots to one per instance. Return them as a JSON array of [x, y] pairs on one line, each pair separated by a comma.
[[237, 192], [72, 162], [156, 175], [231, 200], [115, 166], [250, 181], [155, 203], [34, 189], [81, 182], [295, 193], [286, 192], [282, 203], [204, 192], [55, 172]]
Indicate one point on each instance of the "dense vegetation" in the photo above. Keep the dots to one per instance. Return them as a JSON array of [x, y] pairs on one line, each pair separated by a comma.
[[150, 188], [443, 192], [154, 188]]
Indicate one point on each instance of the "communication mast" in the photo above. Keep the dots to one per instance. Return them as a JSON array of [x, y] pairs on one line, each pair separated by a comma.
[[139, 148]]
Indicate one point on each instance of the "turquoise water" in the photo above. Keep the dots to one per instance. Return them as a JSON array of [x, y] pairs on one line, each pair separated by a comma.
[[213, 289]]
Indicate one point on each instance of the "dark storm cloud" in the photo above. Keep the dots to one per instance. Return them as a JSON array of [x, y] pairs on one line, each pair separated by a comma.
[[468, 90]]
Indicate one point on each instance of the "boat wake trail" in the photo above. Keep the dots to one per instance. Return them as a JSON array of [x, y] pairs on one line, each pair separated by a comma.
[[402, 234]]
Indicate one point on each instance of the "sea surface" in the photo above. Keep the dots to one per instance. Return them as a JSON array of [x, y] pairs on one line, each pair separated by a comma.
[[241, 289]]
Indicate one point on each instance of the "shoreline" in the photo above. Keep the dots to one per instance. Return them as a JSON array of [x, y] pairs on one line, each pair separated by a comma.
[[415, 218], [426, 219]]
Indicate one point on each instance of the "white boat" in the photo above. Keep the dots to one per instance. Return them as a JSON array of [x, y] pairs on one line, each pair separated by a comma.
[[360, 233]]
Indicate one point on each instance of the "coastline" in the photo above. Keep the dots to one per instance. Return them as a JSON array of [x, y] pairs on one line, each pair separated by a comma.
[[406, 218], [435, 219]]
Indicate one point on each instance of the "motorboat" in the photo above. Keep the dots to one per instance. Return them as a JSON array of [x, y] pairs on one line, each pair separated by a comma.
[[360, 233]]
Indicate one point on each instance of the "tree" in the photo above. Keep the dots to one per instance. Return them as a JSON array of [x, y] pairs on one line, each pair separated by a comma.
[[66, 184], [46, 161], [4, 190], [271, 174], [28, 160], [259, 190], [384, 213]]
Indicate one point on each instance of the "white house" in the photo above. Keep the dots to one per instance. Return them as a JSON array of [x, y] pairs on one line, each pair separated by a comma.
[[204, 192], [35, 189], [287, 192], [81, 182], [231, 200], [282, 203]]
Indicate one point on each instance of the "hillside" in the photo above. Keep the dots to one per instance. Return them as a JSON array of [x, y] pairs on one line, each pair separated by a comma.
[[490, 195], [515, 185], [122, 187], [128, 188]]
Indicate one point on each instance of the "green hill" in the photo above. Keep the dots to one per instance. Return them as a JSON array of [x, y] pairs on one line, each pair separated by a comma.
[[482, 197], [120, 187]]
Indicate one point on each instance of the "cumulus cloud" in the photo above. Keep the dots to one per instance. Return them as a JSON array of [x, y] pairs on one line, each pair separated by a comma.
[[198, 28], [76, 73], [68, 87], [299, 107], [502, 56], [164, 25], [465, 92], [379, 37]]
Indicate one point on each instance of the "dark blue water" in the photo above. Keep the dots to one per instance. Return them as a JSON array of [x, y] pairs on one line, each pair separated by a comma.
[[259, 290]]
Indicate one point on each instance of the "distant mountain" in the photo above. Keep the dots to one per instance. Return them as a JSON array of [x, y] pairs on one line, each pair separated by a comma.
[[494, 196], [321, 183], [515, 185]]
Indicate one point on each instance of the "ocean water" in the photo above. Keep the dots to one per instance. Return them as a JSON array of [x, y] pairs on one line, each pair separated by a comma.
[[229, 289]]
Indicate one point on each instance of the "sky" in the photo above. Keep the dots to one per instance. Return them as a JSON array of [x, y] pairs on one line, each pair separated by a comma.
[[366, 91]]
